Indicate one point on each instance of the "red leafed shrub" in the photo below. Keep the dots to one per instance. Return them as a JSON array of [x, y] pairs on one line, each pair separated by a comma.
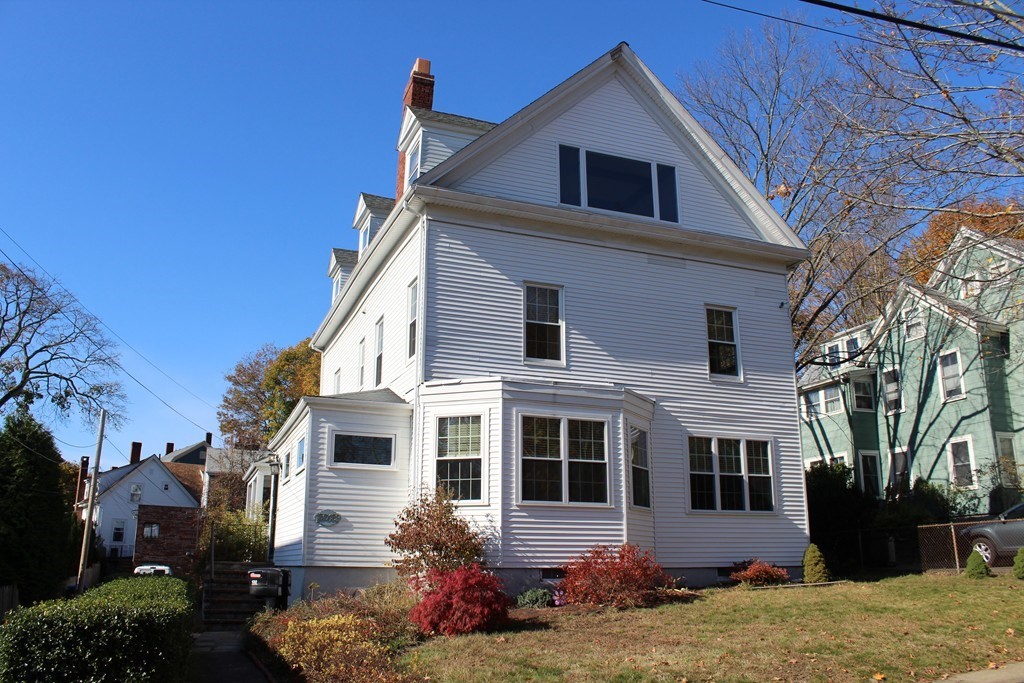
[[623, 577], [463, 600], [758, 573]]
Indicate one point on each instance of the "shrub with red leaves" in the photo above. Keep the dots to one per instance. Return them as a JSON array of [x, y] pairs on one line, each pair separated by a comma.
[[623, 577], [758, 573], [464, 600]]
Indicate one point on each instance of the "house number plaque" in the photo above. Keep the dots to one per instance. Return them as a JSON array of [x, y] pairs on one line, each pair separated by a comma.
[[327, 518]]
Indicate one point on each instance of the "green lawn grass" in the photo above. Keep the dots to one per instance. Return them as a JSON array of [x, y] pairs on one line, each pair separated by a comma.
[[911, 628]]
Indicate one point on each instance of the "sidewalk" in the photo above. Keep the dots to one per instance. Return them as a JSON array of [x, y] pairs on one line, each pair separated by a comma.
[[217, 657], [1011, 673]]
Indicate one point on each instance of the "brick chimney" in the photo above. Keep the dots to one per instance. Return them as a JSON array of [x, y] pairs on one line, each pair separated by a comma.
[[209, 438], [136, 452], [169, 447], [83, 475], [419, 93]]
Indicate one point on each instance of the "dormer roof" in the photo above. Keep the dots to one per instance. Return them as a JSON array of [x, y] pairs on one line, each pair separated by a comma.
[[454, 120], [342, 259]]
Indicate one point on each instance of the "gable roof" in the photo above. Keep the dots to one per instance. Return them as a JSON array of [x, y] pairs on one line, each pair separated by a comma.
[[714, 162], [185, 451], [113, 475], [110, 479], [967, 239], [377, 204], [190, 476]]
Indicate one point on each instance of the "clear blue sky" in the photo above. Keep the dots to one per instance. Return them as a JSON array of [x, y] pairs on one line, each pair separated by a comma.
[[185, 167]]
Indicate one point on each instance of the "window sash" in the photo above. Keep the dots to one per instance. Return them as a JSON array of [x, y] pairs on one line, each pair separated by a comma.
[[952, 378], [362, 362], [812, 403], [863, 394], [961, 467], [564, 460], [459, 460], [135, 494], [543, 323], [893, 391], [833, 400], [413, 316], [300, 454], [640, 472], [378, 370], [723, 348], [871, 474], [833, 354], [730, 474]]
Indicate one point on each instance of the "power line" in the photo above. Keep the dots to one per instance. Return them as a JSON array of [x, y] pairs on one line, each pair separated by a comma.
[[840, 33], [100, 320], [909, 23], [71, 445], [85, 334]]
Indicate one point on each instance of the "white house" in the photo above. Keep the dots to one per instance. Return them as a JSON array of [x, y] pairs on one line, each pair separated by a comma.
[[578, 321], [148, 481]]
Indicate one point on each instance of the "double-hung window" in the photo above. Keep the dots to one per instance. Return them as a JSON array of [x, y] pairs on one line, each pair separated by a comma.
[[870, 473], [135, 496], [723, 342], [961, 462], [912, 322], [893, 384], [864, 394], [564, 460], [459, 464], [544, 324], [833, 399], [286, 468], [151, 530], [899, 469], [852, 347], [730, 474], [378, 362], [812, 404], [300, 454], [362, 362], [640, 467], [952, 377], [118, 534], [413, 314], [832, 353], [825, 401], [614, 183]]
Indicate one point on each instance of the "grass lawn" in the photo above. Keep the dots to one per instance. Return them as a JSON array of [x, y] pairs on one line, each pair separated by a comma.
[[911, 628]]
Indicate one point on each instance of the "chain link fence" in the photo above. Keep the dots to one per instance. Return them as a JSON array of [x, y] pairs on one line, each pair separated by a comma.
[[946, 546]]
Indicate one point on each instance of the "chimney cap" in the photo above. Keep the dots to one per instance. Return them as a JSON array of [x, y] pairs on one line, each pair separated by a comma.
[[421, 66]]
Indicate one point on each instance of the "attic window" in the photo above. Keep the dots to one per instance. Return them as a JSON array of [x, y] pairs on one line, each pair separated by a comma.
[[604, 181], [412, 169]]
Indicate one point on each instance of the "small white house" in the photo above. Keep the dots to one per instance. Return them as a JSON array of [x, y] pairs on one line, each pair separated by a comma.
[[121, 490], [576, 320]]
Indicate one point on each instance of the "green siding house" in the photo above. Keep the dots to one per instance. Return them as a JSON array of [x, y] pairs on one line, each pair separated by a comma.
[[934, 388]]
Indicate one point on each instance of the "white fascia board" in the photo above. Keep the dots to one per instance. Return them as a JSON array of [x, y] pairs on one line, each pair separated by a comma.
[[336, 404], [257, 467], [410, 127], [300, 411], [389, 237], [589, 223]]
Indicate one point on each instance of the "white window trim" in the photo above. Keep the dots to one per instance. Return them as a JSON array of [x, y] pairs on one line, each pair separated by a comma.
[[286, 469], [584, 197], [714, 435], [841, 455], [378, 352], [920, 322], [131, 492], [960, 373], [1009, 436], [300, 446], [628, 458], [484, 451], [544, 362], [337, 381], [738, 377], [413, 318], [329, 451], [874, 394], [838, 355], [860, 470], [969, 440], [564, 416], [903, 401], [892, 465], [841, 401], [804, 412], [364, 238], [362, 362]]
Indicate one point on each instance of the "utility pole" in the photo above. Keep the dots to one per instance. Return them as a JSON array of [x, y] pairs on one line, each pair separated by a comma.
[[87, 532]]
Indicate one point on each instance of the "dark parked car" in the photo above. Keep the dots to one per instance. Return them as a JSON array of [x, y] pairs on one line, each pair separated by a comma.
[[999, 538]]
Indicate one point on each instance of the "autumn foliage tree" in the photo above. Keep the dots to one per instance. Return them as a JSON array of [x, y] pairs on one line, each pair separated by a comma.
[[263, 388], [429, 535]]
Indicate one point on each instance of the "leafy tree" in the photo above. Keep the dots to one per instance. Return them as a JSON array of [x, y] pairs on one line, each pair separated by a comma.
[[241, 413], [37, 529], [52, 350], [293, 374]]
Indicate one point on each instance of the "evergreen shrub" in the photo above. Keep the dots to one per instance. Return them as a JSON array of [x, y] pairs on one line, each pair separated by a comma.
[[815, 569], [976, 567], [137, 629], [534, 597]]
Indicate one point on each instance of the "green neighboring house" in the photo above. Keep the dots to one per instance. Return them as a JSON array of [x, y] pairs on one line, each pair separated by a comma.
[[933, 388]]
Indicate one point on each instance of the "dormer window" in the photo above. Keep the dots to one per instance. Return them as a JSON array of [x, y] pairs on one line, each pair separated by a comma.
[[852, 347], [613, 183], [336, 289], [412, 165], [833, 354], [364, 238]]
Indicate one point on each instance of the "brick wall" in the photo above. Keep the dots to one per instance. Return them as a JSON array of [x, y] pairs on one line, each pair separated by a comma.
[[178, 541]]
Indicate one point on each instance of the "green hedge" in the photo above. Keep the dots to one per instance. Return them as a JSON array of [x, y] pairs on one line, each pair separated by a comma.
[[137, 629]]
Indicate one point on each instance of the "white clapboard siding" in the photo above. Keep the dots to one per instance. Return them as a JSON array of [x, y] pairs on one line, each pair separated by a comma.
[[387, 297], [368, 499], [610, 120], [438, 145], [636, 320], [291, 500]]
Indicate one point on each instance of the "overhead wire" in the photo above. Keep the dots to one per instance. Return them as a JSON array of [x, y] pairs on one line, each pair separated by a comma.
[[77, 327]]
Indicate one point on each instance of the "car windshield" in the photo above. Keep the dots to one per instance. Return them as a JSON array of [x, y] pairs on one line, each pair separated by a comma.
[[1016, 512]]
